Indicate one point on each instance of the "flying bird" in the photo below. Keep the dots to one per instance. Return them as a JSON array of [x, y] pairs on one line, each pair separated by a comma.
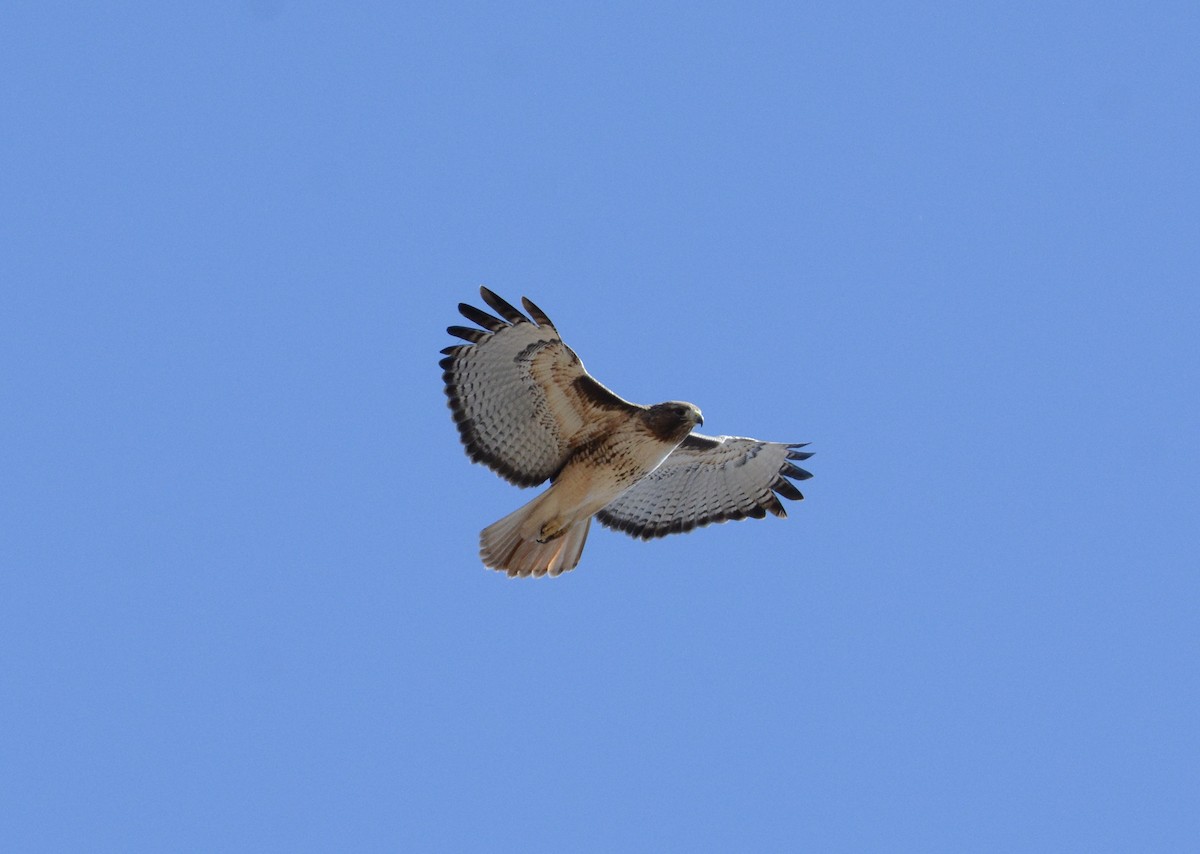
[[526, 408]]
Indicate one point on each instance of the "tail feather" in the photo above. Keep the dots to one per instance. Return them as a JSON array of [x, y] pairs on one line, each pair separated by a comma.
[[511, 545]]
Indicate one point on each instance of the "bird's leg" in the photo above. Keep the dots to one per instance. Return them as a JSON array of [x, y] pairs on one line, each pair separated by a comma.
[[551, 530]]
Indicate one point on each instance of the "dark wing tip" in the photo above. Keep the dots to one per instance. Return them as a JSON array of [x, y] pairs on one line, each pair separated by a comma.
[[774, 506], [467, 333], [536, 313], [476, 315], [794, 472], [504, 308], [787, 489]]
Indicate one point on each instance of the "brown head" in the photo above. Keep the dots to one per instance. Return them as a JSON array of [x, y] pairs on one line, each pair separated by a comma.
[[672, 421]]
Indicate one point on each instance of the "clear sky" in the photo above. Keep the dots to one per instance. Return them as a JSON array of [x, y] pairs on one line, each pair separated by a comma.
[[955, 246]]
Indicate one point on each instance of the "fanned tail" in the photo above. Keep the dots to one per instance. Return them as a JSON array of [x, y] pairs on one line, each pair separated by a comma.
[[511, 545]]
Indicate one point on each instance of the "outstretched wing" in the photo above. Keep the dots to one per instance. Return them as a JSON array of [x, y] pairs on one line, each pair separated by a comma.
[[708, 480], [521, 397]]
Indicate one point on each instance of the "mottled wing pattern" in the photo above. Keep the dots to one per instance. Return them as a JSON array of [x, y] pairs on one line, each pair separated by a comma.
[[708, 480], [520, 396]]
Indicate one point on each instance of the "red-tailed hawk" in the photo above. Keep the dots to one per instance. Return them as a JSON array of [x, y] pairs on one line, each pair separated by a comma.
[[526, 408]]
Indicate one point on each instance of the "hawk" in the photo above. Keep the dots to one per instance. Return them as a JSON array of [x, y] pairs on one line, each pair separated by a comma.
[[526, 408]]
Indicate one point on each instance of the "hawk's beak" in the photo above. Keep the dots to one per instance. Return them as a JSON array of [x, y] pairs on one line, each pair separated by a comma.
[[699, 418]]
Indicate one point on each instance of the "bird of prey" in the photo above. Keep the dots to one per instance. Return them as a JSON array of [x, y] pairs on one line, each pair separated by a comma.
[[526, 408]]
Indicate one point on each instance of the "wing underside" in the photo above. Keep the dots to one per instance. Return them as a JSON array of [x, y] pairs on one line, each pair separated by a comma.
[[520, 396], [707, 480]]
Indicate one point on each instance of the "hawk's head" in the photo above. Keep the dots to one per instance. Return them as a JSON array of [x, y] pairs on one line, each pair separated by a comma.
[[673, 420]]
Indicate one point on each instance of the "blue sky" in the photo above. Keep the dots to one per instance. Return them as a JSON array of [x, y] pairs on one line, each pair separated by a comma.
[[955, 246]]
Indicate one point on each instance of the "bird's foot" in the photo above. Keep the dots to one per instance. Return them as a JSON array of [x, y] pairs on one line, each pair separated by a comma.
[[551, 530]]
